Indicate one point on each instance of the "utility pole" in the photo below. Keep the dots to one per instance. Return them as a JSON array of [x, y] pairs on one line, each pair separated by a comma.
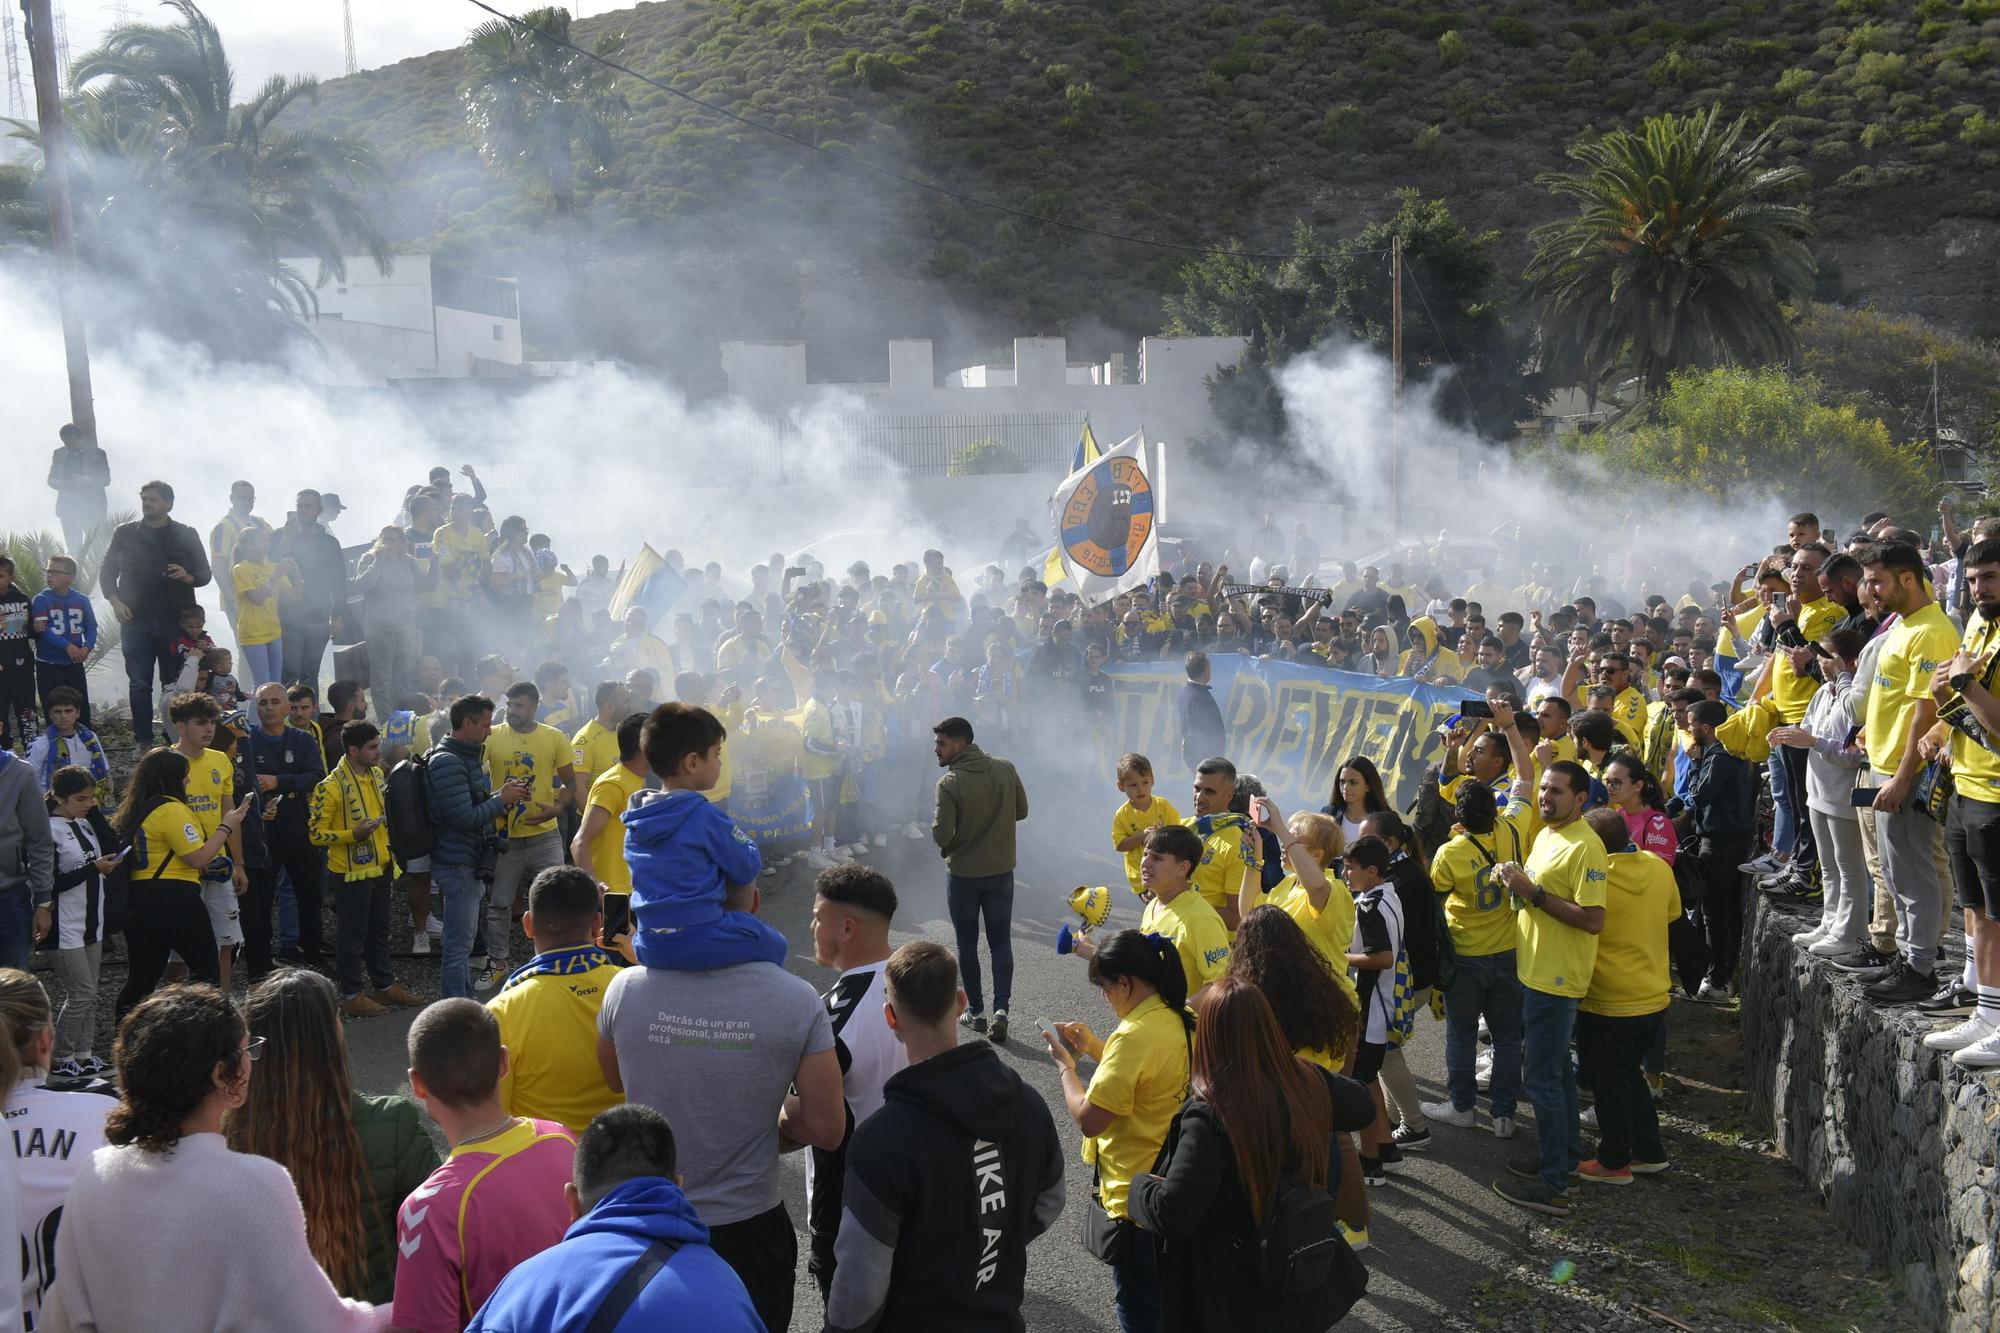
[[1395, 386], [62, 224], [347, 30]]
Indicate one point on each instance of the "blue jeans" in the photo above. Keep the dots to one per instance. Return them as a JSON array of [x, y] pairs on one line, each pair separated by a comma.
[[1550, 1078], [17, 925], [970, 898], [1487, 984], [462, 893], [288, 913], [1791, 829], [148, 648], [1135, 1285], [264, 663]]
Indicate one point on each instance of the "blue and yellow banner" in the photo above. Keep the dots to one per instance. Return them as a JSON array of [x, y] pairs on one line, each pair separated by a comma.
[[1293, 726]]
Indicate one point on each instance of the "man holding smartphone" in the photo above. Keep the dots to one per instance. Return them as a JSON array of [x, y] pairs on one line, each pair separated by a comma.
[[347, 817]]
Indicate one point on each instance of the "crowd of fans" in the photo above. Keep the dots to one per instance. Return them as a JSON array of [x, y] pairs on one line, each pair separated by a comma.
[[616, 1109]]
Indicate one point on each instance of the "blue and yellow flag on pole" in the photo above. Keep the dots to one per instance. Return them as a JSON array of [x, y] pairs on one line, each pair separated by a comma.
[[1087, 451], [648, 583]]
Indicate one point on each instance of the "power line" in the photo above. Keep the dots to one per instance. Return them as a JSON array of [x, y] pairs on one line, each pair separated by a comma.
[[1444, 344], [961, 196]]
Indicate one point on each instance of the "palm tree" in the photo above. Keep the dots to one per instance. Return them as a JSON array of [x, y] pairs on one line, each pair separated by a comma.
[[536, 103], [194, 201], [1684, 252]]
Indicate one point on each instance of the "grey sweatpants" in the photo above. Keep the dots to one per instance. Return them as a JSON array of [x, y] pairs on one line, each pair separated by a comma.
[[1911, 846], [76, 1021], [521, 859]]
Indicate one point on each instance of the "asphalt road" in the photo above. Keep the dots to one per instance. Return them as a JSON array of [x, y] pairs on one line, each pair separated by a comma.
[[1438, 1227]]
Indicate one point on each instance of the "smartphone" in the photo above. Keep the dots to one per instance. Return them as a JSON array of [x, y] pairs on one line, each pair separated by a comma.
[[1862, 798], [1051, 1033], [1475, 708], [120, 854], [617, 914]]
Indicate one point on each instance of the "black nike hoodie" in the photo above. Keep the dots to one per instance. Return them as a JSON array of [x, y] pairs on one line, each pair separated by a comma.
[[945, 1187]]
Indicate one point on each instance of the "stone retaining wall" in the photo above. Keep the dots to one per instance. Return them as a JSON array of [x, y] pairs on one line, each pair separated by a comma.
[[1897, 1139]]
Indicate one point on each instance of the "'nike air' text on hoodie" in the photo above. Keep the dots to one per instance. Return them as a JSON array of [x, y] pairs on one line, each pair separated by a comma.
[[946, 1185]]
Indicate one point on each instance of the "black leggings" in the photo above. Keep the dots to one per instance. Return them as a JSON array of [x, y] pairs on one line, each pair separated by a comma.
[[167, 916]]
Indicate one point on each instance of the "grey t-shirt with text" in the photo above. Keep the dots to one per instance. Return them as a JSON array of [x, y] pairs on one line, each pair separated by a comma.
[[715, 1053]]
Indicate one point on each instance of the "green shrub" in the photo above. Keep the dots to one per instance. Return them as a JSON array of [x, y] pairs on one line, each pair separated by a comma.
[[1868, 37], [878, 72], [1057, 77], [985, 458], [1979, 130], [1875, 136], [1582, 63], [1882, 69], [1342, 126], [1833, 150], [1671, 70], [1451, 49], [1794, 81], [1430, 143], [1515, 32], [920, 15]]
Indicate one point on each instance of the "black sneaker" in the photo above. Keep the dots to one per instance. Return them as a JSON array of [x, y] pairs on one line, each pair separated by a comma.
[[1412, 1140], [1792, 888], [1528, 1166], [1903, 985], [1952, 1000], [1866, 962], [1371, 1170], [1392, 1158], [973, 1019], [998, 1033]]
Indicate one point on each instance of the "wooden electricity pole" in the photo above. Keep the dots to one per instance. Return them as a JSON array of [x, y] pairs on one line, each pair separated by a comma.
[[62, 223], [1395, 386]]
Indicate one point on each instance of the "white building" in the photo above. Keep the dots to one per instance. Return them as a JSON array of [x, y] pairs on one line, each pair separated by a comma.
[[1168, 395], [421, 320]]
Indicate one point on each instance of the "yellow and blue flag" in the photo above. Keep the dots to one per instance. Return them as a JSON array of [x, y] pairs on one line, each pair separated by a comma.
[[647, 583], [1087, 451]]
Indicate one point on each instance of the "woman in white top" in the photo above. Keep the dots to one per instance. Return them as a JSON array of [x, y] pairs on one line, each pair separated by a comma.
[[169, 1230]]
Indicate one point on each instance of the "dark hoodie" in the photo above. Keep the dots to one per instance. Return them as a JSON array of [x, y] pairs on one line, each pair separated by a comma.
[[946, 1185], [561, 1288]]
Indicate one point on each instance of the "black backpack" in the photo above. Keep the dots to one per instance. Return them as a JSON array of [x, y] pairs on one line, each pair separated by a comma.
[[412, 832], [1298, 1242]]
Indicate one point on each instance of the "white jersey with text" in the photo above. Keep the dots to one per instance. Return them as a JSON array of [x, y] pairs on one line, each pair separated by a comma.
[[54, 1129]]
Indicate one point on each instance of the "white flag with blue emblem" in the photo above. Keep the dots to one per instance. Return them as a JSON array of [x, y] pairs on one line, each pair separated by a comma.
[[1107, 534]]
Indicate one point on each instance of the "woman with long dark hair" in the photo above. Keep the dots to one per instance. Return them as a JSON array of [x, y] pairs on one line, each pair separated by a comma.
[[354, 1158], [167, 856], [1357, 794], [168, 1230], [1129, 1104], [1259, 1119]]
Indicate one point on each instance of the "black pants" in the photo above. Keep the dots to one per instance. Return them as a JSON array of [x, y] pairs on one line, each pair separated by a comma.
[[1722, 902], [304, 649], [18, 704], [306, 864], [361, 934], [50, 675], [764, 1251], [1610, 1053], [167, 917]]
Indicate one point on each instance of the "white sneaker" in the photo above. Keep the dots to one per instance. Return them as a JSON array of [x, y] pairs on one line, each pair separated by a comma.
[[1503, 1126], [1482, 1071], [1763, 865], [1710, 993], [1832, 948], [881, 840], [1587, 1117], [1969, 1033], [421, 944], [1983, 1054], [916, 833], [434, 928], [1444, 1113], [1810, 937]]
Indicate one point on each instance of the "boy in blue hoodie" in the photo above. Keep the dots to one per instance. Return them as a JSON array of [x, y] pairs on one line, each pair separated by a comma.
[[626, 1198], [65, 632], [685, 853]]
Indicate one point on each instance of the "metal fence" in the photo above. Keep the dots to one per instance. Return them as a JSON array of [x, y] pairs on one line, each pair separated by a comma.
[[864, 447]]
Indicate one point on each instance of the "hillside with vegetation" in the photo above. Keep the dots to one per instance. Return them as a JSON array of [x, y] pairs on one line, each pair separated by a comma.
[[1180, 121]]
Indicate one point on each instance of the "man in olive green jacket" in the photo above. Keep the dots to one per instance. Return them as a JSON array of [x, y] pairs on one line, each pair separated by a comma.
[[979, 800]]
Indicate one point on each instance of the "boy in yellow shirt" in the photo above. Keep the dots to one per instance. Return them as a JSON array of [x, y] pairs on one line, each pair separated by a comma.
[[548, 1009], [1142, 811], [1175, 910]]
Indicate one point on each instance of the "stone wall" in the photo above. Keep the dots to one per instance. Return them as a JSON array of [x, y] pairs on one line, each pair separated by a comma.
[[1896, 1138]]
